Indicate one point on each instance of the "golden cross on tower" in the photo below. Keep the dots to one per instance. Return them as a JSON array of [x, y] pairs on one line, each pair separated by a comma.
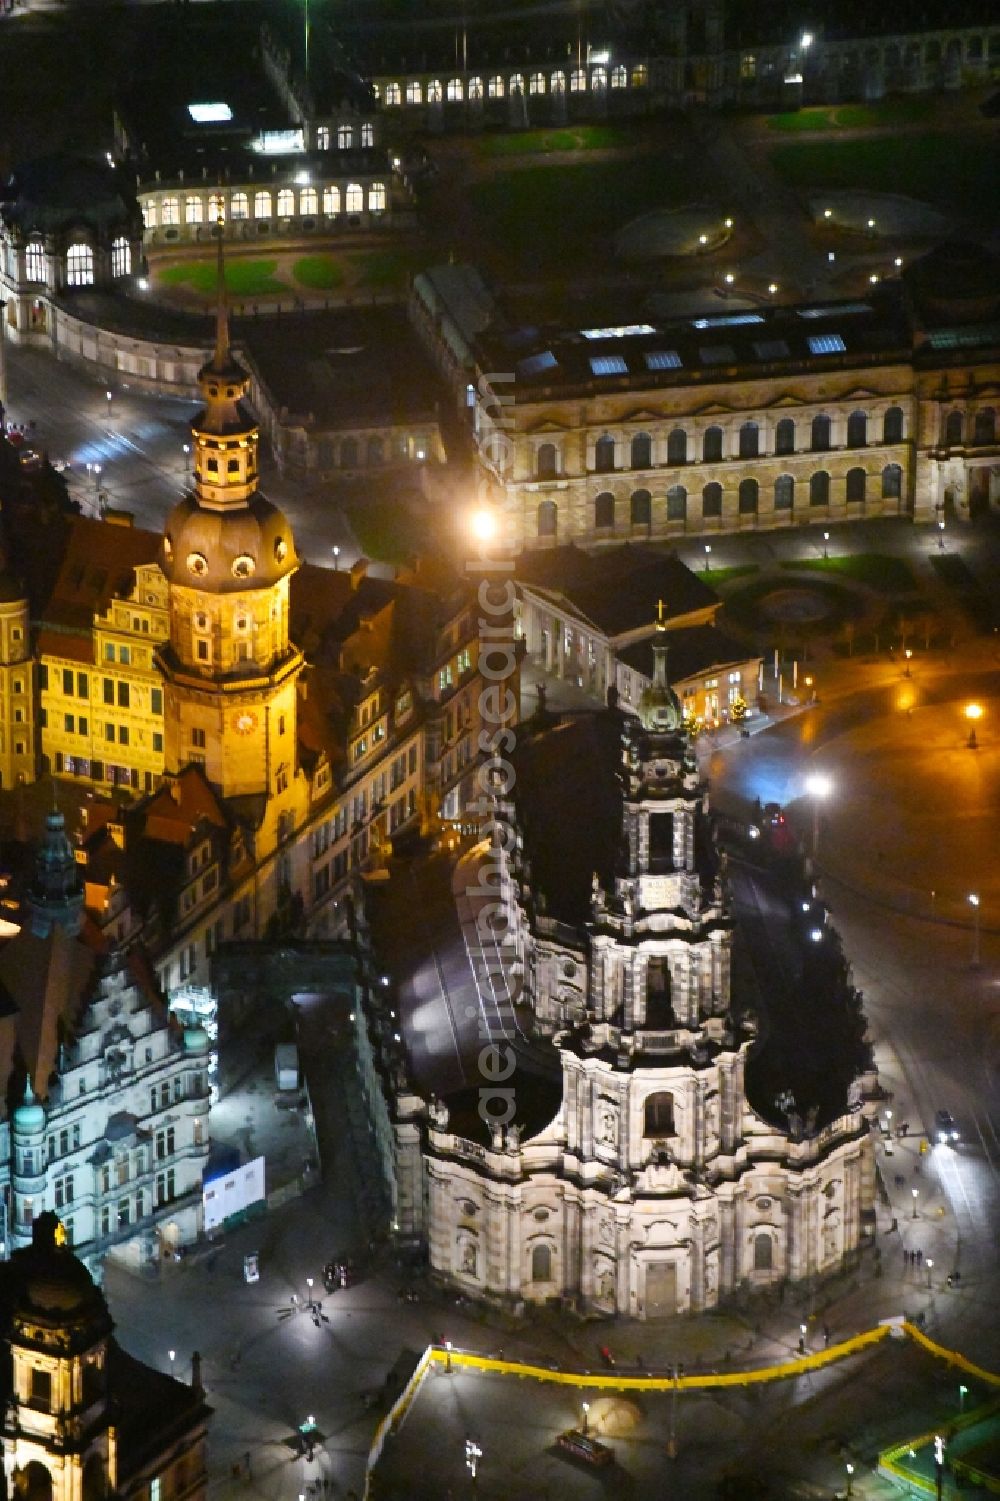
[[661, 624]]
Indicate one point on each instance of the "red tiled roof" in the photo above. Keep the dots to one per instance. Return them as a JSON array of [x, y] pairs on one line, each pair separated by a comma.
[[67, 645]]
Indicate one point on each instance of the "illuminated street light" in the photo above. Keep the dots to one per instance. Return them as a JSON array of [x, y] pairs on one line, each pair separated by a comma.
[[773, 288], [916, 1195], [171, 1356], [908, 653], [831, 256], [730, 278], [941, 536], [871, 223], [974, 904], [828, 213], [802, 1339], [447, 1351], [110, 396], [484, 525], [703, 239], [807, 41], [585, 1408], [336, 558], [873, 278], [708, 554], [898, 261], [929, 1263], [963, 1392], [818, 787], [973, 713], [850, 1478], [728, 223], [826, 544]]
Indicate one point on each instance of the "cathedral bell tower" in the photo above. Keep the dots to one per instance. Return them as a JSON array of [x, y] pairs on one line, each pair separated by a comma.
[[229, 668]]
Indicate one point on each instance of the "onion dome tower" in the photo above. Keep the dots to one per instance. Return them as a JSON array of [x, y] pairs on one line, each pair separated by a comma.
[[55, 896], [58, 1439], [27, 1169], [228, 554]]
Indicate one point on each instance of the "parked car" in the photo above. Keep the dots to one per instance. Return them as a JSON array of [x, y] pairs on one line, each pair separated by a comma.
[[945, 1131]]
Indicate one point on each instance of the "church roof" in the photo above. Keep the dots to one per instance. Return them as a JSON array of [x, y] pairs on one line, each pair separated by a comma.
[[568, 799], [691, 650], [219, 536]]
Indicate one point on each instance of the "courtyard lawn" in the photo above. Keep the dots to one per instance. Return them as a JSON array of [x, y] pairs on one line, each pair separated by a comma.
[[888, 112], [244, 278], [565, 138], [955, 170], [876, 570], [715, 576], [557, 216], [383, 269], [319, 273]]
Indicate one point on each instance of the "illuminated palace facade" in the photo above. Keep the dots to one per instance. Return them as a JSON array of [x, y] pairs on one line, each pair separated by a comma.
[[635, 1177], [885, 406]]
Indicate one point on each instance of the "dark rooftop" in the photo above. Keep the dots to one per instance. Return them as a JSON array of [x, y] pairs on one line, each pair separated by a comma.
[[618, 590], [344, 367], [690, 652]]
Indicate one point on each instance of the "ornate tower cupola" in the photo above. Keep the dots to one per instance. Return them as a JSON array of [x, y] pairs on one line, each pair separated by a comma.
[[55, 896], [228, 554]]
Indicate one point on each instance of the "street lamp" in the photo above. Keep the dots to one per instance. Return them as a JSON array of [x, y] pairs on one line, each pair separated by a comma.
[[772, 287], [708, 554], [818, 787], [336, 558], [963, 1392], [585, 1407], [802, 1339], [974, 904], [930, 1267], [941, 535], [807, 41], [110, 397], [447, 1352], [171, 1355], [916, 1195], [850, 1478], [484, 525], [973, 713], [908, 653], [730, 278], [826, 544]]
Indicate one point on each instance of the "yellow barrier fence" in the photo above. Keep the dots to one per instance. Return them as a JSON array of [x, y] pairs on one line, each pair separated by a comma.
[[614, 1380]]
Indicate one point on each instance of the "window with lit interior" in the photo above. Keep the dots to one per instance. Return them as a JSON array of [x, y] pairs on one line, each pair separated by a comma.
[[80, 266]]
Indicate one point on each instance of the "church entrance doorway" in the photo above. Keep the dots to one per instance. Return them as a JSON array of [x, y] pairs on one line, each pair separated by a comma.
[[661, 1290]]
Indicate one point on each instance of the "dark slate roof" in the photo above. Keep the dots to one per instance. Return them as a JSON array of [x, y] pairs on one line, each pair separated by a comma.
[[152, 1410], [569, 806], [64, 190], [618, 590], [692, 651]]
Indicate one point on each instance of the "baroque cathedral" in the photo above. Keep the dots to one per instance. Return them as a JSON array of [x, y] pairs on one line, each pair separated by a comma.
[[645, 1172]]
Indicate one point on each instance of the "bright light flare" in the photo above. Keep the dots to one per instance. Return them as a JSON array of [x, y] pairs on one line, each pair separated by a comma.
[[973, 711], [484, 525], [819, 785]]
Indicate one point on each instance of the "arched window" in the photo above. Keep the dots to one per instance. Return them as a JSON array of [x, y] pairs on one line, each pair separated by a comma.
[[392, 93], [711, 500], [820, 433], [677, 446], [677, 500], [749, 440], [376, 198], [34, 260], [541, 1264], [953, 429], [349, 453], [345, 137], [892, 482], [985, 430], [496, 86], [80, 266], [749, 491], [516, 83], [819, 488], [354, 201], [641, 508], [148, 213], [857, 430], [892, 425], [455, 90], [475, 88], [262, 205], [194, 209], [308, 201], [557, 83], [599, 78], [331, 200], [763, 1253], [784, 436], [640, 76], [536, 83], [856, 484], [784, 492], [546, 461], [604, 455], [239, 206], [286, 203], [435, 93], [604, 510], [414, 93], [578, 81], [711, 445], [642, 451], [121, 257], [619, 77], [170, 211], [216, 207], [376, 451], [658, 1114], [548, 514]]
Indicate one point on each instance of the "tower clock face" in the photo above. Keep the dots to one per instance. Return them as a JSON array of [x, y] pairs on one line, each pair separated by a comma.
[[244, 722]]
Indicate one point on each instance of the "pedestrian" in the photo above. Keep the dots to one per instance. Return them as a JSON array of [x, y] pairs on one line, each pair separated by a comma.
[[826, 1335]]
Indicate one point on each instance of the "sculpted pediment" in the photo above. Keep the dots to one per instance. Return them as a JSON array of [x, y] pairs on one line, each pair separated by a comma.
[[547, 425]]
